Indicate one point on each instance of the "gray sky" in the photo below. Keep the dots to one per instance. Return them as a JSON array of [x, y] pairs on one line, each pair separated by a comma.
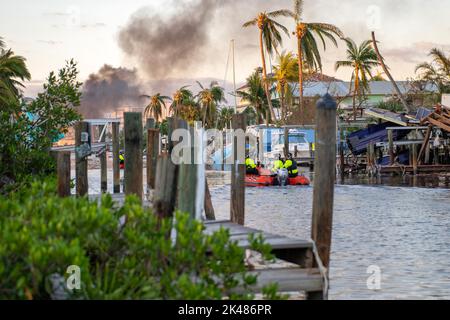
[[48, 32]]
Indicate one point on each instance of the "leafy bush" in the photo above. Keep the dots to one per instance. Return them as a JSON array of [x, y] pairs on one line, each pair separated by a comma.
[[30, 128], [123, 253]]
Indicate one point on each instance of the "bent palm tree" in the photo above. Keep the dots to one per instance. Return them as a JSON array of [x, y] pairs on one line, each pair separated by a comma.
[[12, 67], [285, 72], [437, 71], [362, 59], [269, 39], [156, 105], [307, 48], [209, 99]]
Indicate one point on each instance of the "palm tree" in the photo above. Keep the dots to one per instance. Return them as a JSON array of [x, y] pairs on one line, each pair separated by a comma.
[[209, 99], [254, 94], [269, 39], [286, 71], [378, 77], [156, 105], [225, 117], [181, 98], [307, 48], [13, 70], [362, 59], [437, 71]]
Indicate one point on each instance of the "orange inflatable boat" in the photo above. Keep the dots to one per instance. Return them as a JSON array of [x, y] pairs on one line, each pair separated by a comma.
[[266, 178]]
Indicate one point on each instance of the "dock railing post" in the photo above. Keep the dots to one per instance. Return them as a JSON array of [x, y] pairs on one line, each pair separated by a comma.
[[103, 162], [237, 206], [115, 157], [324, 177], [81, 163], [63, 172], [391, 146], [133, 154]]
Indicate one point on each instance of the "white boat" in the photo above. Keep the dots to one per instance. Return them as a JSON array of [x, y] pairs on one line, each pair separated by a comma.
[[297, 140]]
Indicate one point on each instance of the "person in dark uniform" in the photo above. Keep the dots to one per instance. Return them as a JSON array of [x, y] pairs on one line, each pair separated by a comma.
[[291, 165]]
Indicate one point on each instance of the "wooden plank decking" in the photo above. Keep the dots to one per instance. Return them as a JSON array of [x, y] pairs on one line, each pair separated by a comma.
[[294, 271]]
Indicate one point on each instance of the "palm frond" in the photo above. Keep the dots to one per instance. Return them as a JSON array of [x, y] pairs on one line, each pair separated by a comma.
[[298, 9], [282, 13], [250, 23]]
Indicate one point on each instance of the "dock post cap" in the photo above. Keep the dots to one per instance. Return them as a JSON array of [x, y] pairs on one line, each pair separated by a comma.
[[326, 102]]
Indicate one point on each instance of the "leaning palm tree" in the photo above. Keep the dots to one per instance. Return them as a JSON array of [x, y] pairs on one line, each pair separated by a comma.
[[269, 39], [13, 71], [254, 95], [181, 98], [209, 99], [308, 52], [286, 71], [437, 71], [361, 59], [156, 105]]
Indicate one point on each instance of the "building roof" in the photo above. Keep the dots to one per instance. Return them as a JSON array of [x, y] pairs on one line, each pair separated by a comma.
[[341, 89]]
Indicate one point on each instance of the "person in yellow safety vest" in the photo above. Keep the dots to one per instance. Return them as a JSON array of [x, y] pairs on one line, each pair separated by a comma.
[[278, 164], [250, 166], [121, 160], [291, 166]]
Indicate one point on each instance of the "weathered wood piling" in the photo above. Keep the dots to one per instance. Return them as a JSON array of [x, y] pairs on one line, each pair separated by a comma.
[[63, 173], [237, 206], [82, 134], [324, 177], [115, 157], [133, 153]]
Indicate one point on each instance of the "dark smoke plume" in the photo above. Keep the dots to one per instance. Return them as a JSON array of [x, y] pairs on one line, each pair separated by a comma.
[[109, 89], [165, 46]]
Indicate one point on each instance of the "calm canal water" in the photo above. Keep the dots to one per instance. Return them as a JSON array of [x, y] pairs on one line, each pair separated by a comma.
[[405, 231]]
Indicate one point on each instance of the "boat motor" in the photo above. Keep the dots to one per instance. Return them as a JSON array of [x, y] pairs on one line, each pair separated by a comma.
[[282, 176]]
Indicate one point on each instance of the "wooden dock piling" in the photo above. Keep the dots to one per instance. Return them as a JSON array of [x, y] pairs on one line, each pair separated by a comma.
[[152, 156], [115, 157], [237, 206], [165, 187], [82, 133], [103, 163], [187, 179], [63, 172], [324, 175], [133, 154]]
